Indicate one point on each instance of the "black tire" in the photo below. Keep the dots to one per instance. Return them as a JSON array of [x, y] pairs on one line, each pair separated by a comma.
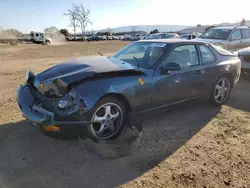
[[106, 101], [213, 99], [47, 42]]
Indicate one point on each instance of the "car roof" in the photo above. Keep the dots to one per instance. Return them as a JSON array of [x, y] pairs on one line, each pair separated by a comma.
[[173, 41], [230, 27]]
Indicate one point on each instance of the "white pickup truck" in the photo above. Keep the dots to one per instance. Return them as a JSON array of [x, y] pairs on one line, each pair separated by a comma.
[[39, 38]]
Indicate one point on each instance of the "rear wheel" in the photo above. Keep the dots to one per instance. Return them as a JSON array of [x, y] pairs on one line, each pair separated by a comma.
[[107, 119], [221, 91]]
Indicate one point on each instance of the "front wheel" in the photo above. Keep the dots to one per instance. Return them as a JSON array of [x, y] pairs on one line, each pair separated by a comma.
[[221, 91], [107, 119], [47, 42]]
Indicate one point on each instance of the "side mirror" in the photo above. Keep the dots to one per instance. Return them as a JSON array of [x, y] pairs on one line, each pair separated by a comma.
[[171, 66]]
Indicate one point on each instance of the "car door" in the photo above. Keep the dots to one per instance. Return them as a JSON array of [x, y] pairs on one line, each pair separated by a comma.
[[178, 85], [245, 38], [192, 74], [235, 40], [208, 60]]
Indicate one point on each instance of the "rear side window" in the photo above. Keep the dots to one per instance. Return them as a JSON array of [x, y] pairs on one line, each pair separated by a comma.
[[236, 35], [245, 33], [185, 55], [206, 54]]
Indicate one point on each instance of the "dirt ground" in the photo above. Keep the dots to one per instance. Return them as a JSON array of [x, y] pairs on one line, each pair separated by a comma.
[[194, 145]]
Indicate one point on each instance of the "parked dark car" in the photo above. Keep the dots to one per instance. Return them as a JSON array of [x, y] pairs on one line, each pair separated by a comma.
[[93, 95], [94, 38], [188, 36]]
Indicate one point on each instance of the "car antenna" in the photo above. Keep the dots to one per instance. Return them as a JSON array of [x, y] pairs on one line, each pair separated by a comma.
[[138, 62], [100, 53]]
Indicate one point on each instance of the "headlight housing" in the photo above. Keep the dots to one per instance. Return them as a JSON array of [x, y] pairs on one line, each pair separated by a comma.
[[69, 104], [55, 88]]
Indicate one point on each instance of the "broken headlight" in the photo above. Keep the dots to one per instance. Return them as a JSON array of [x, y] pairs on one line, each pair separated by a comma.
[[66, 102], [55, 88], [69, 104]]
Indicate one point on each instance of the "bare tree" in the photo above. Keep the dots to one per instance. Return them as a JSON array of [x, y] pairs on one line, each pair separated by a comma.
[[1, 29], [243, 22], [82, 15], [73, 20], [109, 30]]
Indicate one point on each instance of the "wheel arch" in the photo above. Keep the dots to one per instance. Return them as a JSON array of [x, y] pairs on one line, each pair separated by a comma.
[[120, 97], [230, 77]]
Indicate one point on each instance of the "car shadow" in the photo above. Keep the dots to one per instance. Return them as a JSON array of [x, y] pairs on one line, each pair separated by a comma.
[[240, 96], [31, 159]]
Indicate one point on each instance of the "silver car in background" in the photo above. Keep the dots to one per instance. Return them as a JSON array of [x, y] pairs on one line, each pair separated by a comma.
[[244, 56], [161, 36], [229, 38]]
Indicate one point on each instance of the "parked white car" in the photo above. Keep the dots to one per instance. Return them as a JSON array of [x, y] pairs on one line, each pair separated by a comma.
[[120, 37], [109, 37], [161, 36], [115, 38]]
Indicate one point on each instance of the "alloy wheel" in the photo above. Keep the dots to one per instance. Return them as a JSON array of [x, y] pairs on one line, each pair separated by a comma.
[[106, 120], [222, 90]]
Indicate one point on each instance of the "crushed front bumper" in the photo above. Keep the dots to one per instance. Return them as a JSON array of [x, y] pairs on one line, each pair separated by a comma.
[[30, 110], [42, 117]]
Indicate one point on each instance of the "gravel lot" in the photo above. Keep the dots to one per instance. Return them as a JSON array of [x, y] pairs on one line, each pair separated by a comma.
[[194, 145]]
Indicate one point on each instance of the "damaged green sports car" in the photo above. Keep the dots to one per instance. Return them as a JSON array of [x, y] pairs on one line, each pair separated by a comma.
[[93, 96]]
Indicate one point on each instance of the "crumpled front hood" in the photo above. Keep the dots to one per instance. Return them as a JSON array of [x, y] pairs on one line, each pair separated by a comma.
[[212, 41], [78, 69]]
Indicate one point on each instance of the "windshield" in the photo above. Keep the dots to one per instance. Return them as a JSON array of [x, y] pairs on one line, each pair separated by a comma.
[[214, 33], [154, 36], [144, 54]]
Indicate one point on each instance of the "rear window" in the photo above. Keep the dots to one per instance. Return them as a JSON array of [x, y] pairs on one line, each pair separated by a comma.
[[222, 51], [245, 33], [206, 54]]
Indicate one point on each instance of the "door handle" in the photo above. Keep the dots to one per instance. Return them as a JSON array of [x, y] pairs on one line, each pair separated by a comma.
[[200, 71]]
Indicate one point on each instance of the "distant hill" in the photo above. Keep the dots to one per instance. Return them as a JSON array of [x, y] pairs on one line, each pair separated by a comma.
[[147, 28], [161, 28], [247, 23]]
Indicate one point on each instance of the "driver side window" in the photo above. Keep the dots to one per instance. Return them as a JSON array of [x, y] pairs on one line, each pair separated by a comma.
[[185, 56]]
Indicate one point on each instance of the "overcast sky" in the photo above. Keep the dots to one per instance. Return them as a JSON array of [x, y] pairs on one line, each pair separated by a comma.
[[27, 15]]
